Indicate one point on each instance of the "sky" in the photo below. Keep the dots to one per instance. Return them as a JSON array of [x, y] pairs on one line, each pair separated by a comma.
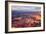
[[26, 8]]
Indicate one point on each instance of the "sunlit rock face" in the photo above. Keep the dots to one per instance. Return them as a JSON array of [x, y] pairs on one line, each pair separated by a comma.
[[27, 22]]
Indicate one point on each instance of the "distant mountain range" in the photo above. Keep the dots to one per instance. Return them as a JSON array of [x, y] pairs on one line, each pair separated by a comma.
[[25, 12]]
